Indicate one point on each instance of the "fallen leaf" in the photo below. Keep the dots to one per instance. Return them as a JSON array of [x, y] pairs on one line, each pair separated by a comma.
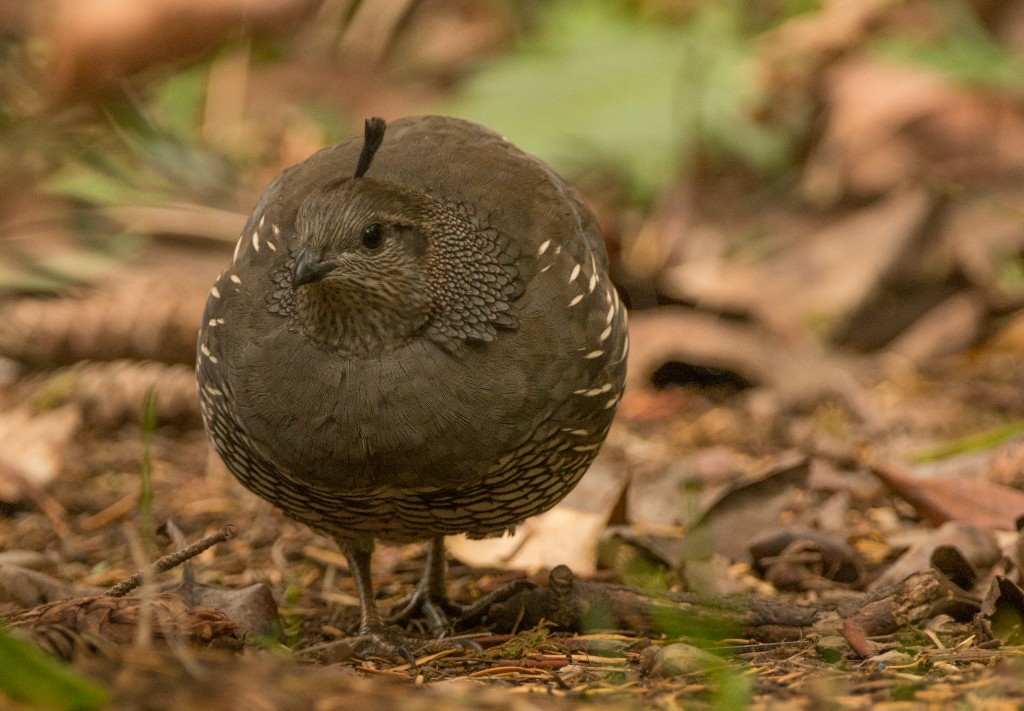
[[937, 500], [796, 375], [33, 445], [950, 327], [747, 508], [1002, 612], [977, 547], [820, 278], [568, 534]]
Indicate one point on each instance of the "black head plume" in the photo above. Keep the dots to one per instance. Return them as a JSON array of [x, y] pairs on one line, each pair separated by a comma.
[[372, 138]]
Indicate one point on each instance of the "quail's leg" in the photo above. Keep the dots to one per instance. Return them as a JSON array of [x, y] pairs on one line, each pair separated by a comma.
[[374, 639], [430, 598], [359, 554]]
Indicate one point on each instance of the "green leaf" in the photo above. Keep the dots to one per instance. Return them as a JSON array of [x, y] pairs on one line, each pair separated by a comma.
[[139, 161], [979, 441], [967, 52], [968, 60], [179, 100], [599, 85], [31, 677], [91, 186]]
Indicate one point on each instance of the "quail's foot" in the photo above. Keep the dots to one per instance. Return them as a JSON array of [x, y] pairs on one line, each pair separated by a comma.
[[435, 608], [392, 643], [429, 599], [374, 638]]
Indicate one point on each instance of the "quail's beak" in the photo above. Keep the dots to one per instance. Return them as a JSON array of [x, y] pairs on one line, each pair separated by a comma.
[[310, 267]]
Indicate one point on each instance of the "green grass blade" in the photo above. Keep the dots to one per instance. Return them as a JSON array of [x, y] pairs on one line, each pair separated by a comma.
[[29, 676]]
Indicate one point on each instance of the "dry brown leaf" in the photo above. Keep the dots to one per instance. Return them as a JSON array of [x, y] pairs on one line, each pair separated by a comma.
[[799, 558], [937, 500], [861, 152], [743, 510], [796, 375], [793, 56], [566, 535], [23, 588], [985, 237], [978, 546], [817, 280], [34, 445], [950, 327], [199, 222], [1002, 612], [891, 124]]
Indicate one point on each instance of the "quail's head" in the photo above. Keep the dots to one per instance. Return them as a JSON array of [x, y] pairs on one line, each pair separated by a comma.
[[362, 271], [381, 263]]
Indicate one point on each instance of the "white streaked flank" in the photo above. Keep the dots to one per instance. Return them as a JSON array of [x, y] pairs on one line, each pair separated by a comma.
[[592, 392]]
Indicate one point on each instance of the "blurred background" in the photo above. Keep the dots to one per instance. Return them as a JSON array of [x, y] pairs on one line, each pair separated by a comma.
[[814, 209], [845, 171]]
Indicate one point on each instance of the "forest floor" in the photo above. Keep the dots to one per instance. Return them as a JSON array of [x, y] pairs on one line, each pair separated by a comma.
[[812, 493]]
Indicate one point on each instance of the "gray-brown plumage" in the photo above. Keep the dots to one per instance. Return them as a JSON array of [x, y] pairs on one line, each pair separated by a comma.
[[413, 341]]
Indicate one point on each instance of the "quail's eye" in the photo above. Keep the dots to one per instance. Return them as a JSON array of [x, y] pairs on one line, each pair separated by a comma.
[[373, 235]]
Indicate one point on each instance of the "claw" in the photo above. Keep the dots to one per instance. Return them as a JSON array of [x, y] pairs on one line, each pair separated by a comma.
[[437, 610], [373, 644], [391, 644], [429, 598], [408, 656]]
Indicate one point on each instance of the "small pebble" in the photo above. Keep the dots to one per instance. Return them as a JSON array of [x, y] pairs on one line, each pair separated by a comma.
[[892, 658], [677, 660]]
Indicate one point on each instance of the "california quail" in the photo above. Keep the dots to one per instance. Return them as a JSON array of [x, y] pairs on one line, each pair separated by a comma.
[[417, 337]]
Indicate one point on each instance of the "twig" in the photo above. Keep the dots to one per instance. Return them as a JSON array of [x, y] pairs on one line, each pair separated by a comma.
[[171, 560]]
